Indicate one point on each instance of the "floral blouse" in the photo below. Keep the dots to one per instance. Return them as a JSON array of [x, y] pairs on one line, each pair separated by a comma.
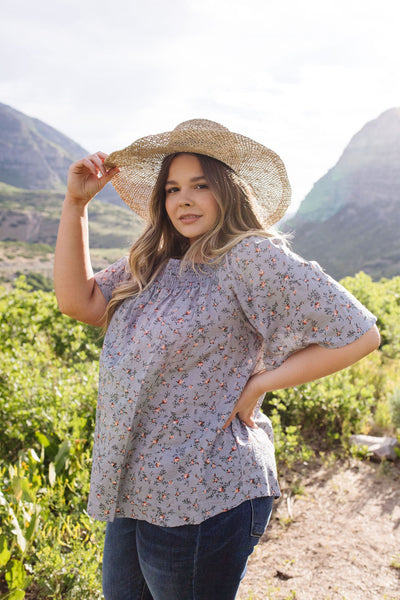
[[174, 362]]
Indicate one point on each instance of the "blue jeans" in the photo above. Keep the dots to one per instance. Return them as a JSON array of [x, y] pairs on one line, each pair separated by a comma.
[[191, 562]]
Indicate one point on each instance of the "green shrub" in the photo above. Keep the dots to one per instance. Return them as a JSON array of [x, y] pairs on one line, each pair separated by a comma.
[[49, 547], [322, 414], [325, 411], [395, 408], [38, 281], [48, 389], [383, 299]]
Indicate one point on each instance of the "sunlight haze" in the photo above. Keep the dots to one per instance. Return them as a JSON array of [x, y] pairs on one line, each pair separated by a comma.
[[301, 78]]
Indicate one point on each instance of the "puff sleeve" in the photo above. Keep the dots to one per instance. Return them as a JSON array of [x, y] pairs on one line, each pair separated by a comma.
[[111, 277], [291, 302]]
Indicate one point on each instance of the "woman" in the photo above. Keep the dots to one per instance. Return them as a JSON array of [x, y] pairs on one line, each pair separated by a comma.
[[208, 314]]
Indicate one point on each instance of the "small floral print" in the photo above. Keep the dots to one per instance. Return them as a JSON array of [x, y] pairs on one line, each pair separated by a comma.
[[175, 361]]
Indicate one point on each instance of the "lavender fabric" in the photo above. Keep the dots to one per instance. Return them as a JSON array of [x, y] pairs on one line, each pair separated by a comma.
[[174, 362]]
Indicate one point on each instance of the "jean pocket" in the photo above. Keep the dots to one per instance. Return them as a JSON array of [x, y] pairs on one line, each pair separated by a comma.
[[261, 509]]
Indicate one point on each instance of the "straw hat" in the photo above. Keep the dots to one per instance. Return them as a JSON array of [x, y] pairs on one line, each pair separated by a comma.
[[257, 165]]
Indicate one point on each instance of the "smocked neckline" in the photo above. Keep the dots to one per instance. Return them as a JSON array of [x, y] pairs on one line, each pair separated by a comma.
[[177, 270]]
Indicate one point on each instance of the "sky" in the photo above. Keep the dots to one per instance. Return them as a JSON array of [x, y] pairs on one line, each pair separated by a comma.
[[300, 77]]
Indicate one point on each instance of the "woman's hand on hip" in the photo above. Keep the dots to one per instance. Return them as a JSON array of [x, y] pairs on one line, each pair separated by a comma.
[[246, 404], [87, 176], [307, 364]]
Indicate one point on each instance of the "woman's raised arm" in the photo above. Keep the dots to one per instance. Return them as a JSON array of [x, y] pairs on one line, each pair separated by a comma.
[[77, 293]]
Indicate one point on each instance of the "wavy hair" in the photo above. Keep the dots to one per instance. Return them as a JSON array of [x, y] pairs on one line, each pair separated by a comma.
[[160, 240]]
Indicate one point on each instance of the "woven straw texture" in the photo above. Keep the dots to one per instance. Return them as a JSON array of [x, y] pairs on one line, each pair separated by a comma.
[[259, 166]]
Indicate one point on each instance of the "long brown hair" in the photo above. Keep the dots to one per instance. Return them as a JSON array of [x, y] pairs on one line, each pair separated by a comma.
[[161, 241]]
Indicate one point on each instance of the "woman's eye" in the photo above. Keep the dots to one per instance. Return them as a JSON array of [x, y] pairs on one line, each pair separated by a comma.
[[171, 190], [202, 186]]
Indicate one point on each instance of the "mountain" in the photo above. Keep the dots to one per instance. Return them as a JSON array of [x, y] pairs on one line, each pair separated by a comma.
[[34, 162], [350, 220], [35, 156]]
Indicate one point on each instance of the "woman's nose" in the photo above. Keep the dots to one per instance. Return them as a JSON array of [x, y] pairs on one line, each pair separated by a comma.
[[185, 199]]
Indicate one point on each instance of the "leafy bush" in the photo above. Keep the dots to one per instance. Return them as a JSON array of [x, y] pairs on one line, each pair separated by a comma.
[[38, 281], [48, 376], [48, 388], [363, 398], [383, 299], [395, 408], [49, 548], [328, 409]]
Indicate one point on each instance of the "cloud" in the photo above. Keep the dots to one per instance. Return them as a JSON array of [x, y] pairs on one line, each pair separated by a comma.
[[301, 77]]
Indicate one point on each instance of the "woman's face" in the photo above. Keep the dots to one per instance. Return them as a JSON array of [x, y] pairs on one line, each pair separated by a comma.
[[189, 202]]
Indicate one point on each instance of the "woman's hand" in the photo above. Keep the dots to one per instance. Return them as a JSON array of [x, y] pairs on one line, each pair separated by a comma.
[[87, 176], [244, 407], [77, 294]]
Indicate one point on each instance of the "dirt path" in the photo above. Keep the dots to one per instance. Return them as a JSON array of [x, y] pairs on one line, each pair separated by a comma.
[[338, 540]]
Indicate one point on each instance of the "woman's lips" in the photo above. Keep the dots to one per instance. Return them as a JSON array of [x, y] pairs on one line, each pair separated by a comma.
[[188, 219]]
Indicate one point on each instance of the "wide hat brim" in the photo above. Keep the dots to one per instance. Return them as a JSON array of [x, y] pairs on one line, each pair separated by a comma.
[[257, 165]]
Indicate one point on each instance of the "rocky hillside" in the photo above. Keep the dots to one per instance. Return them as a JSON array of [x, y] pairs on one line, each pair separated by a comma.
[[35, 156], [350, 220], [34, 162]]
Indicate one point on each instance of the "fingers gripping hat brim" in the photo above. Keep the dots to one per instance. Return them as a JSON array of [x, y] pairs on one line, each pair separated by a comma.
[[257, 165]]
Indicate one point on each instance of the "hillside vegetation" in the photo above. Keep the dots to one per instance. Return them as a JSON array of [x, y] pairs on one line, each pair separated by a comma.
[[34, 162], [29, 223], [49, 547]]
